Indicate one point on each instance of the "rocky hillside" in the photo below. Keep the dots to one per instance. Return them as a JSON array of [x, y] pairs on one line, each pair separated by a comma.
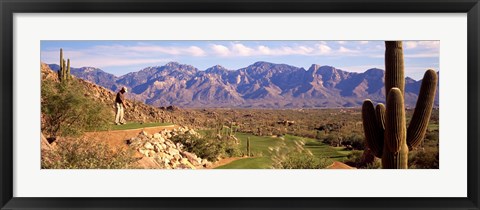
[[262, 84], [135, 111]]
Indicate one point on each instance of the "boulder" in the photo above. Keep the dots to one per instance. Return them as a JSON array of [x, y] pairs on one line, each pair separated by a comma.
[[44, 143], [144, 133], [148, 145], [173, 151], [157, 135]]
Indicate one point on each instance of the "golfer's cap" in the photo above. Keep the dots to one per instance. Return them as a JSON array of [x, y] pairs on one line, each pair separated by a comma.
[[125, 89]]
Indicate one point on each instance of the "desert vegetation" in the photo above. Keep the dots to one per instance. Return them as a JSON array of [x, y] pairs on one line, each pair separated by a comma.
[[77, 121]]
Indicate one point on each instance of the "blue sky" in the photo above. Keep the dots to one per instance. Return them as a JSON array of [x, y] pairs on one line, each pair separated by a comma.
[[121, 57]]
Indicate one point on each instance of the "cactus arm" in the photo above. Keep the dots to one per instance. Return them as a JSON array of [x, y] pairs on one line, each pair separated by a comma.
[[395, 153], [373, 136], [380, 113], [68, 70], [423, 109], [395, 129], [394, 66]]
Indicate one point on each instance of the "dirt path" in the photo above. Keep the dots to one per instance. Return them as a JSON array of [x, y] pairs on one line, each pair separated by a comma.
[[225, 161], [339, 165], [118, 138]]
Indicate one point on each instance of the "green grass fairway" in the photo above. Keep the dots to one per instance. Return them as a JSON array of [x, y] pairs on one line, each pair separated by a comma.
[[259, 146], [135, 125]]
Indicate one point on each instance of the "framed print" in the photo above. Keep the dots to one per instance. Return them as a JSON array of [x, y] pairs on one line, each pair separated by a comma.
[[239, 105]]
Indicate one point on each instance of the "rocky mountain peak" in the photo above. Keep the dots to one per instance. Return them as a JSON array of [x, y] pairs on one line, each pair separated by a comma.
[[261, 84], [314, 68], [217, 69], [375, 72]]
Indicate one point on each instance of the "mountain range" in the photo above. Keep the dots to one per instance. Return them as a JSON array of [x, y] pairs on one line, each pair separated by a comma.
[[260, 85]]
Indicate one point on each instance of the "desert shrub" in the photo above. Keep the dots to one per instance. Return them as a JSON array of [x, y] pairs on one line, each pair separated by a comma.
[[377, 164], [208, 146], [302, 160], [431, 136], [355, 158], [331, 139], [296, 157], [68, 112], [80, 153], [423, 159], [355, 141]]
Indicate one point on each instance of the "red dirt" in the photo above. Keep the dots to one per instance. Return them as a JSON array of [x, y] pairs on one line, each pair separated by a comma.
[[118, 138], [339, 165]]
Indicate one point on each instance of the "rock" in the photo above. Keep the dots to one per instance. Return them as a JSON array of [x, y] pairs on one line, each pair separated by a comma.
[[144, 133], [147, 162], [161, 139], [191, 157], [148, 145], [167, 166], [173, 151], [161, 155], [151, 153], [157, 135], [179, 146], [177, 157], [157, 148], [198, 161], [44, 143], [143, 152], [184, 160], [170, 144]]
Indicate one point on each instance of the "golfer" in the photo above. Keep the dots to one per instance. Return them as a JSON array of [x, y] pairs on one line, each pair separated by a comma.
[[120, 105]]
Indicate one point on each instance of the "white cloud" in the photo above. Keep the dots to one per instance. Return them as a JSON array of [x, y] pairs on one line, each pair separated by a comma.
[[346, 50], [411, 44], [429, 44], [238, 49], [141, 49], [363, 42], [81, 59], [242, 50], [324, 49], [112, 62], [196, 51], [341, 42], [264, 50], [422, 44], [220, 50]]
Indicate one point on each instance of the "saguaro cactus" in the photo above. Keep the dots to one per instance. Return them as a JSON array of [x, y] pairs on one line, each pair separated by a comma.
[[248, 146], [60, 72], [64, 71], [385, 126], [68, 75]]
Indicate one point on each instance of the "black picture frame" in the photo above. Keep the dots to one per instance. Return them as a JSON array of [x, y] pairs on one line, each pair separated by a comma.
[[9, 7]]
